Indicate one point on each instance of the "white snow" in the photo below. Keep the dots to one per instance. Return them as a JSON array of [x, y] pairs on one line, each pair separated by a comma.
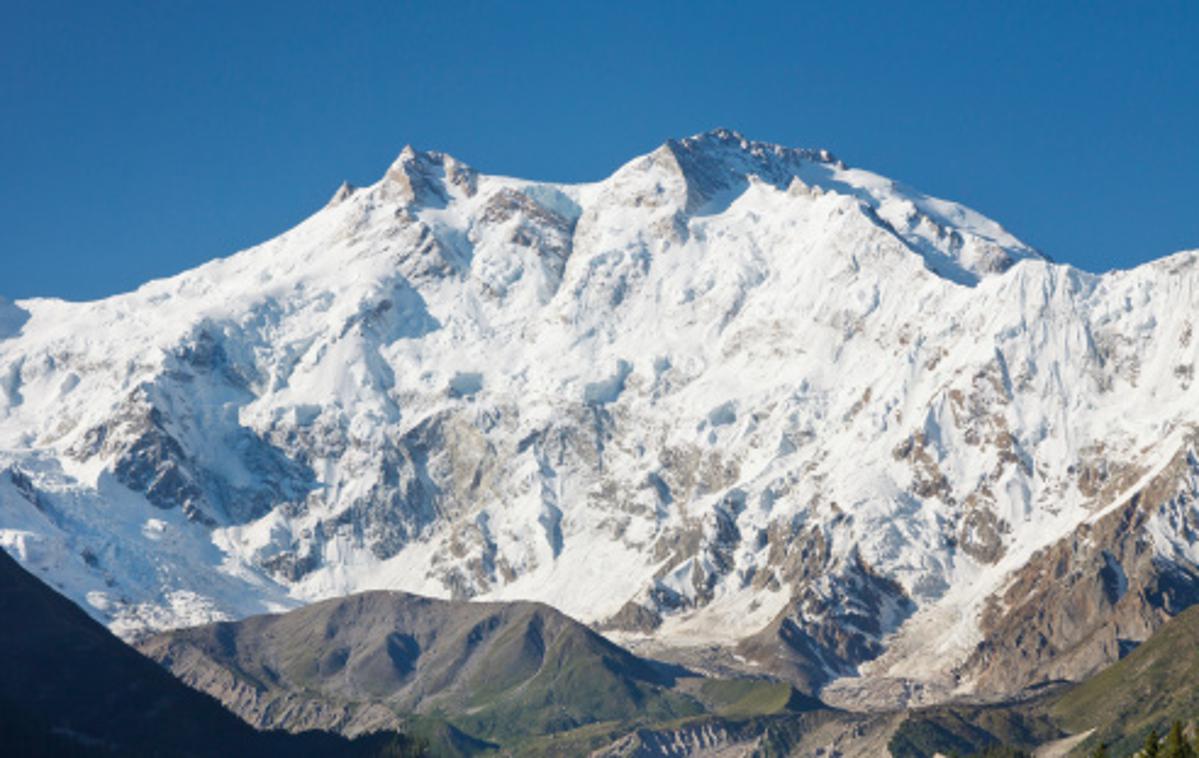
[[509, 389]]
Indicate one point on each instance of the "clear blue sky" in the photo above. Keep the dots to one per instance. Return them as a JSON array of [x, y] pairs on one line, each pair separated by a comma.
[[140, 139]]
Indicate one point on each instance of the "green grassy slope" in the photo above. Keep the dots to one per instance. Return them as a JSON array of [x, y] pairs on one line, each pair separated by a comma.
[[498, 672], [1155, 685], [1150, 688], [972, 730]]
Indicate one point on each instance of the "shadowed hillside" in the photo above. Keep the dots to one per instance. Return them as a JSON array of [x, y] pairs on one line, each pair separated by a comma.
[[69, 687]]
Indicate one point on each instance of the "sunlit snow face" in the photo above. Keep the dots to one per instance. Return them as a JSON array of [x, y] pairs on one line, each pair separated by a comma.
[[730, 384]]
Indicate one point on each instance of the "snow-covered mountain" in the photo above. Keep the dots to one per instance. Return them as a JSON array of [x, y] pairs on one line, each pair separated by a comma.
[[737, 403]]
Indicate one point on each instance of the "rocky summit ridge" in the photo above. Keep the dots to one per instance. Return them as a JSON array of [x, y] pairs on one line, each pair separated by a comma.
[[736, 404]]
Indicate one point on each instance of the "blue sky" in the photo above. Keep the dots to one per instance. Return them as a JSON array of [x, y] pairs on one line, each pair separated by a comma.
[[140, 139]]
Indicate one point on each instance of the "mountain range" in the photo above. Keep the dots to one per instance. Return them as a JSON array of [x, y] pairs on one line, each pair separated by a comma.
[[740, 407]]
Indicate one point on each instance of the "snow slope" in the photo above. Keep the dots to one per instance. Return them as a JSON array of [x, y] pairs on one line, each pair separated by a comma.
[[731, 385]]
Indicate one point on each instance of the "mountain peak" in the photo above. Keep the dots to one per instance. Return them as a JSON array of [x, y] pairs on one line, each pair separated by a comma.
[[714, 166], [722, 161], [344, 190], [731, 144], [430, 178], [703, 174]]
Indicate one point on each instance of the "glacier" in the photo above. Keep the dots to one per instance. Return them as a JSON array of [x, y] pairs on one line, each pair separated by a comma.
[[735, 403]]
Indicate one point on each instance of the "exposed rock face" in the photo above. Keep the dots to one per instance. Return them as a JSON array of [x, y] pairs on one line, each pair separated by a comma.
[[735, 398], [700, 740], [1082, 603], [837, 620]]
